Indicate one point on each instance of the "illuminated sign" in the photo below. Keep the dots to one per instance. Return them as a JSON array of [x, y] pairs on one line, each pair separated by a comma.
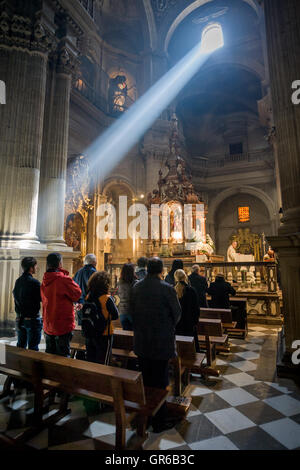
[[244, 214]]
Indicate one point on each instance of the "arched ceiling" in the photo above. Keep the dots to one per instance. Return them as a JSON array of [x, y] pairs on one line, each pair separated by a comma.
[[207, 106]]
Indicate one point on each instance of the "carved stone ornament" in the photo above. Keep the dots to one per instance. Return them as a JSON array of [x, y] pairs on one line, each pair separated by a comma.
[[21, 32]]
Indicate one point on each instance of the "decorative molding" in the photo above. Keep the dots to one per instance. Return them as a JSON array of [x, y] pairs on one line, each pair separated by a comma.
[[21, 32]]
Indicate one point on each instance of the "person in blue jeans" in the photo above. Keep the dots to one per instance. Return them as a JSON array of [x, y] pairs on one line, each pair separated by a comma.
[[27, 298]]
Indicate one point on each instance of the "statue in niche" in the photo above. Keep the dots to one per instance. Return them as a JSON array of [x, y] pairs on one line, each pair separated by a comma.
[[117, 94]]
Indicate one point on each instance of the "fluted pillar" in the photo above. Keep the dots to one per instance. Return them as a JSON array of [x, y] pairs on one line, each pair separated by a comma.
[[283, 40], [24, 73], [55, 151]]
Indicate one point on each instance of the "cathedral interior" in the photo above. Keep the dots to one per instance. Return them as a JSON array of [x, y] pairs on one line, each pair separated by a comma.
[[107, 106]]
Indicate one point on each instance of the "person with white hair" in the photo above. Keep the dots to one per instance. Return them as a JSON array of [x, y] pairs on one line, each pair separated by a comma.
[[82, 278], [199, 282]]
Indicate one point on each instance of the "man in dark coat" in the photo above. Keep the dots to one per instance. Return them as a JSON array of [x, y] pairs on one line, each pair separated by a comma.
[[82, 278], [155, 311], [199, 283], [27, 298], [220, 291]]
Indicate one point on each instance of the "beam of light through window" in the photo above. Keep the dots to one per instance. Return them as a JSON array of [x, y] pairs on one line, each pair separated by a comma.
[[108, 150]]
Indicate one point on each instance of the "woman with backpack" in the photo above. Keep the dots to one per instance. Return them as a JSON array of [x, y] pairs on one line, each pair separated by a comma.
[[127, 280], [98, 312]]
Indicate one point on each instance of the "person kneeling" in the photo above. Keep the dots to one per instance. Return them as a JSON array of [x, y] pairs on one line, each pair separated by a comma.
[[98, 312]]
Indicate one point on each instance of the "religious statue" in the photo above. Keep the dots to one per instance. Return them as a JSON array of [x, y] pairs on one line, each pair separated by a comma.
[[117, 94]]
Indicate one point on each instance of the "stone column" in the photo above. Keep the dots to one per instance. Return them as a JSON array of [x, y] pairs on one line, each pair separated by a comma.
[[54, 152], [283, 39], [24, 73]]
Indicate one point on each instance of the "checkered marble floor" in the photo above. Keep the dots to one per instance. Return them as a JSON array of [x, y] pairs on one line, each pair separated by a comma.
[[247, 408]]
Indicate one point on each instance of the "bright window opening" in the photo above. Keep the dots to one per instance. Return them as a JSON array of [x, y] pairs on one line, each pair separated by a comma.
[[212, 38]]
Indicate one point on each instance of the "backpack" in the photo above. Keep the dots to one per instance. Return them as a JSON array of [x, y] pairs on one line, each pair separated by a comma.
[[93, 323]]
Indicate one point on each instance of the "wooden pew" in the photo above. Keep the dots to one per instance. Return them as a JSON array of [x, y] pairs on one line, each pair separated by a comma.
[[225, 315], [210, 335], [120, 388], [222, 314], [240, 305], [187, 359]]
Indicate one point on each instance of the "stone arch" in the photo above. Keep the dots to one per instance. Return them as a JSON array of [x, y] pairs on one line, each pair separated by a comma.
[[189, 9], [120, 248], [256, 192], [151, 33], [249, 65], [117, 180], [215, 203]]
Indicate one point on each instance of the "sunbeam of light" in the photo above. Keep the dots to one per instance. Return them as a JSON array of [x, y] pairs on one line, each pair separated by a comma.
[[115, 143]]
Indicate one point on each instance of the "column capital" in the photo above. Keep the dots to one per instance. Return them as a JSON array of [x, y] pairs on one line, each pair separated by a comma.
[[67, 61]]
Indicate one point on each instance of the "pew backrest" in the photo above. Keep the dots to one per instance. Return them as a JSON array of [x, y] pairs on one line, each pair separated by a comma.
[[210, 327], [225, 315], [74, 375]]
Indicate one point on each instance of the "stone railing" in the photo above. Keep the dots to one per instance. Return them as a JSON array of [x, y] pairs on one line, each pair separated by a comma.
[[246, 276], [96, 98], [82, 87], [232, 159]]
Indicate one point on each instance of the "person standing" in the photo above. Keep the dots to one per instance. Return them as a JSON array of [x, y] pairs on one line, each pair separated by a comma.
[[199, 282], [27, 299], [99, 341], [231, 252], [220, 291], [141, 270], [58, 293], [126, 283], [189, 305], [177, 264], [82, 277], [155, 311]]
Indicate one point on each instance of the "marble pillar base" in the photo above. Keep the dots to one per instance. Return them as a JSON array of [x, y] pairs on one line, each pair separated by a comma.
[[10, 270], [288, 249]]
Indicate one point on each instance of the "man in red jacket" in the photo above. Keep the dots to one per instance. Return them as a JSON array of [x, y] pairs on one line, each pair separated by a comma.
[[58, 292]]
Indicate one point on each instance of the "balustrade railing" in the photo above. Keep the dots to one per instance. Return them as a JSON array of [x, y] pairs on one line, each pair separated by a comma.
[[246, 276], [231, 159]]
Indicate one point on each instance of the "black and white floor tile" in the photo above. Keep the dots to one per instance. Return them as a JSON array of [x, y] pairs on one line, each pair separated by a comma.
[[237, 411]]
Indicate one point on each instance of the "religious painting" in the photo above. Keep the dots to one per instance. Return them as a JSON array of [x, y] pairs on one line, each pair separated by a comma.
[[74, 231]]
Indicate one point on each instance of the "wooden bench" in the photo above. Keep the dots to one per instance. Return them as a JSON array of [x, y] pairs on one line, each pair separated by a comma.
[[240, 306], [223, 314], [187, 359], [123, 389], [210, 335]]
